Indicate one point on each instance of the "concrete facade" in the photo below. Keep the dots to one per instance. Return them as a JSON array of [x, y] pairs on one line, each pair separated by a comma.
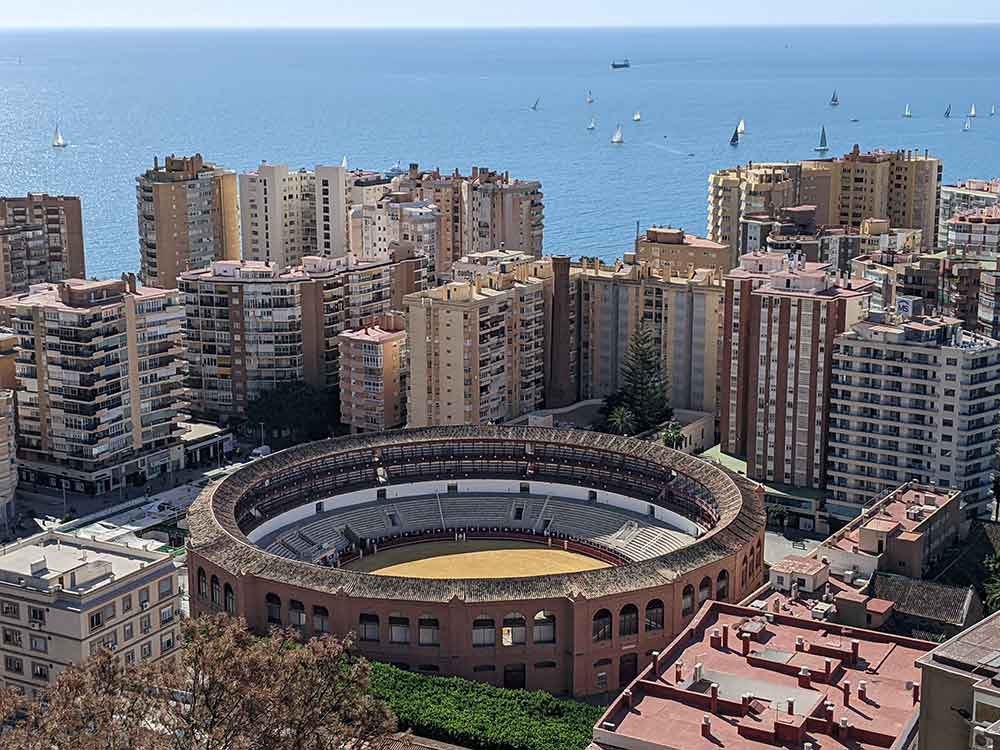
[[41, 240], [374, 365]]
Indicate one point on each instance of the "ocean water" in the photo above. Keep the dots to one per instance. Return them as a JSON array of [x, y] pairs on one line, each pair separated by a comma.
[[457, 98]]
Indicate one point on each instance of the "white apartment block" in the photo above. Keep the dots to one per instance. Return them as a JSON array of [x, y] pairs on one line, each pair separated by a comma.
[[64, 598], [912, 399], [99, 372], [962, 197], [278, 214]]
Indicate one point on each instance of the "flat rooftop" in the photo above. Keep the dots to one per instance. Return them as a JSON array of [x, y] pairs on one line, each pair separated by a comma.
[[975, 650], [788, 681]]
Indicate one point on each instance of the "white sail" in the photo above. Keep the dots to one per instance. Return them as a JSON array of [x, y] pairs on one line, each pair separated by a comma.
[[590, 97], [57, 139], [618, 137], [993, 111], [822, 141], [592, 124], [907, 113], [972, 111], [636, 116], [742, 127], [968, 124]]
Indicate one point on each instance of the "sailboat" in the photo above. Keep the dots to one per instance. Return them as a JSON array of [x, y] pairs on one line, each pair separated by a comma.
[[742, 127], [834, 100], [907, 112], [636, 116], [735, 140], [972, 111], [968, 124], [822, 147], [592, 124], [993, 111], [590, 97], [947, 112], [618, 138], [534, 107], [57, 139]]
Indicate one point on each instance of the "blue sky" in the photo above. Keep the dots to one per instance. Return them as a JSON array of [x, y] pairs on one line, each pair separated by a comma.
[[489, 13]]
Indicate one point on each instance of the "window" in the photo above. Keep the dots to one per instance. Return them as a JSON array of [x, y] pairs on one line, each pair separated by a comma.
[[202, 583], [144, 624], [130, 657], [127, 603], [704, 590], [545, 628], [368, 628], [229, 598], [166, 642], [216, 592], [687, 600], [428, 631], [165, 587], [11, 610], [321, 620], [128, 631], [166, 615], [628, 621], [143, 598], [545, 665], [654, 615], [296, 613], [96, 620], [484, 632], [399, 629], [602, 626], [722, 586], [39, 643], [428, 668], [514, 631], [146, 650], [12, 637], [13, 664], [40, 671], [484, 668], [273, 603], [37, 614]]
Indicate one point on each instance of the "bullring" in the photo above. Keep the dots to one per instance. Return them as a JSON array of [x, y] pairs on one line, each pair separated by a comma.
[[277, 542]]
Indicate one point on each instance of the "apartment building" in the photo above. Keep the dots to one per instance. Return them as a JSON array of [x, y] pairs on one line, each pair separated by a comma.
[[735, 192], [278, 214], [188, 216], [395, 218], [781, 317], [99, 371], [963, 197], [63, 598], [974, 233], [492, 349], [912, 398], [682, 309], [374, 366], [41, 239], [900, 186], [468, 267], [672, 248], [8, 435]]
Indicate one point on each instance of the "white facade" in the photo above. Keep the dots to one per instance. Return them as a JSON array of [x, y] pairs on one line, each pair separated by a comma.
[[331, 212], [278, 214]]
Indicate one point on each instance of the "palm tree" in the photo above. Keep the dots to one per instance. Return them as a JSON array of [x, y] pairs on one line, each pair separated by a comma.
[[672, 435], [621, 420]]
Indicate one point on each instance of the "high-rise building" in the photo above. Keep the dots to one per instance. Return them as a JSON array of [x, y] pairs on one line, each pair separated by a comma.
[[64, 597], [912, 398], [964, 197], [44, 241], [492, 349], [374, 365], [900, 186], [681, 308], [188, 217], [99, 371], [278, 214], [751, 189], [781, 317]]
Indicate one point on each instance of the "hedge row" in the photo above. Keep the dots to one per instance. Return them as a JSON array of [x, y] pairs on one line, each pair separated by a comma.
[[480, 716]]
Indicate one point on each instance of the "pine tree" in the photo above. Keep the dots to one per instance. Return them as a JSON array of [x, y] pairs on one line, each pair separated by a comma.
[[645, 389]]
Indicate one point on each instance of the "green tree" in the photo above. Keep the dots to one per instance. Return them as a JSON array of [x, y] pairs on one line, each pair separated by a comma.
[[672, 435], [621, 420], [645, 389], [295, 409], [991, 584]]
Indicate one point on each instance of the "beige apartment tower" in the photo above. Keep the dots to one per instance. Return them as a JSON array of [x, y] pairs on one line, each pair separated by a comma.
[[64, 598], [41, 239], [188, 216], [99, 371], [374, 365]]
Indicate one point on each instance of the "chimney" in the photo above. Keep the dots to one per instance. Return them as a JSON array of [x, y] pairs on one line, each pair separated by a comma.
[[862, 690], [916, 693], [628, 699], [745, 637], [745, 704], [725, 637], [847, 692], [678, 672], [855, 651], [706, 726], [845, 728], [790, 703], [715, 640], [829, 718], [800, 643], [713, 704], [698, 672], [805, 678]]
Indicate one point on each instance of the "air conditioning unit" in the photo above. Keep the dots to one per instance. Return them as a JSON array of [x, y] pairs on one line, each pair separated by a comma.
[[979, 740], [144, 605], [35, 625]]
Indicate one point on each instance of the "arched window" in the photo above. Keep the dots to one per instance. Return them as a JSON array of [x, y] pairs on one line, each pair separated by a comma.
[[321, 619], [399, 629], [229, 598], [654, 615], [545, 628], [602, 626], [704, 590], [273, 609], [722, 586], [484, 632], [216, 592], [296, 613], [743, 574], [514, 631], [202, 583], [428, 631], [687, 601], [368, 628], [628, 621]]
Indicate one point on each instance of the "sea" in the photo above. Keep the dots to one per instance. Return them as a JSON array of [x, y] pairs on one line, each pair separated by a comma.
[[459, 98]]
